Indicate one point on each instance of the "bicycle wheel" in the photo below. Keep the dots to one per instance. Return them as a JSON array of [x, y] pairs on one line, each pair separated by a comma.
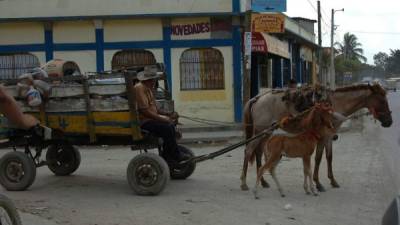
[[8, 213]]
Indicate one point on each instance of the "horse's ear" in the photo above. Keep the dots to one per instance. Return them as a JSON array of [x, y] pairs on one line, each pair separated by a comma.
[[378, 89]]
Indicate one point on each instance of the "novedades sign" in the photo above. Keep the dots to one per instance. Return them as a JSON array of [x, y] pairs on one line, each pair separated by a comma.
[[192, 28]]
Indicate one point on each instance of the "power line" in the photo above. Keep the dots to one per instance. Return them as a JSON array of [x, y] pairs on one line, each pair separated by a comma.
[[316, 10], [375, 32]]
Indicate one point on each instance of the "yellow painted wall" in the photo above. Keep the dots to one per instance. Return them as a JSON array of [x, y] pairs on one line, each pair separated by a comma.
[[74, 32], [62, 8], [86, 59], [21, 33], [208, 104], [132, 30]]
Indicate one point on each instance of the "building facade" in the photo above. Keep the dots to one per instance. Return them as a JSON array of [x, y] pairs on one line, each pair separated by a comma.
[[200, 43]]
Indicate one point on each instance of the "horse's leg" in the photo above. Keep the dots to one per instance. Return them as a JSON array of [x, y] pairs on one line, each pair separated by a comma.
[[259, 154], [306, 163], [243, 185], [318, 157], [329, 157], [260, 173], [272, 171], [309, 174]]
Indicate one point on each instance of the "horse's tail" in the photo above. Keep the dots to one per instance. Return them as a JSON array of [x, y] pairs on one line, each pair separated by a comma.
[[248, 119]]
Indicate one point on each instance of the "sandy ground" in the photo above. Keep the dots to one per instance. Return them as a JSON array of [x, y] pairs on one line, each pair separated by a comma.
[[98, 192]]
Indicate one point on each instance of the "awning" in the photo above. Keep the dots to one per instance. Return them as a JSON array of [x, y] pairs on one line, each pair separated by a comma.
[[277, 46], [258, 43]]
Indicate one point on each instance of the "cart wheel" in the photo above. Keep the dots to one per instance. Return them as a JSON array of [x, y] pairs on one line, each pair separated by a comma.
[[63, 160], [181, 172], [17, 171], [8, 212], [147, 174]]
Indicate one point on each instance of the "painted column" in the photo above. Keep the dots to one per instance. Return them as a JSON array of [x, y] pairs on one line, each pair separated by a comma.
[[237, 68], [282, 65], [236, 6], [99, 45], [167, 51], [48, 41]]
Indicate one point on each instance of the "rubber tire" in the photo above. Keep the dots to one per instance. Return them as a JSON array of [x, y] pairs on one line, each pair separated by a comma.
[[28, 166], [157, 164], [10, 209], [185, 170], [64, 169]]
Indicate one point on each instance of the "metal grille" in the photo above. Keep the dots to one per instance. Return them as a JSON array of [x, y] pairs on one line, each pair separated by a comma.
[[13, 65], [202, 69], [130, 58]]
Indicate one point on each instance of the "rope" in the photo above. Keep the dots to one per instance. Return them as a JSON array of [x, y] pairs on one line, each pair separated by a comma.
[[212, 155], [207, 121], [265, 132]]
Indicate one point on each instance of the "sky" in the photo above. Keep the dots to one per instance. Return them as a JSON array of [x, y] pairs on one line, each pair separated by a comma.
[[375, 23]]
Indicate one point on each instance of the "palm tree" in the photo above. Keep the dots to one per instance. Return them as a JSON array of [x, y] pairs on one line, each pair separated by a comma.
[[350, 49]]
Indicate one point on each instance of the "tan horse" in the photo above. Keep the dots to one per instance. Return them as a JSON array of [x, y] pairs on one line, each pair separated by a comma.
[[319, 122], [262, 111]]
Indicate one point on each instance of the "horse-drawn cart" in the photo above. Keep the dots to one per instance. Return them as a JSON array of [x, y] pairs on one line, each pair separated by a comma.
[[96, 109]]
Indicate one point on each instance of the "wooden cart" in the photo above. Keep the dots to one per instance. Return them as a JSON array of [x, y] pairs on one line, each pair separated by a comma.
[[97, 109]]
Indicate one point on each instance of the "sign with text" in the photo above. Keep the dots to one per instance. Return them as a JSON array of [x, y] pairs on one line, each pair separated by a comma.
[[269, 23], [268, 5], [258, 43]]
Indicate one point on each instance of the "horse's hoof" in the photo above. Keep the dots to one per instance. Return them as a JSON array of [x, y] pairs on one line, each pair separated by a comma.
[[244, 187], [315, 194], [264, 184], [335, 184], [282, 195], [255, 194], [320, 188], [308, 193]]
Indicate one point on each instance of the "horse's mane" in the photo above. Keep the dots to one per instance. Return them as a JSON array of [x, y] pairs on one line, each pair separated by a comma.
[[375, 88]]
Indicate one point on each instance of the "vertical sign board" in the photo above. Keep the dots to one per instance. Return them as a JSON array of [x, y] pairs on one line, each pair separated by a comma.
[[268, 23], [247, 49], [268, 5]]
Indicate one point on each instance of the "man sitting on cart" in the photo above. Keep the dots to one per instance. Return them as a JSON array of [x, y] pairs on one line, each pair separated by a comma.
[[155, 120], [10, 109]]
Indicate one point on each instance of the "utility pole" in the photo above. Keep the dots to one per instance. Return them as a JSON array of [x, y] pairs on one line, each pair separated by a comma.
[[332, 73], [247, 57], [320, 50], [332, 70]]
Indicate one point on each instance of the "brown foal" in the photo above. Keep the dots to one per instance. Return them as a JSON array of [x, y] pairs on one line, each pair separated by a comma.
[[319, 123]]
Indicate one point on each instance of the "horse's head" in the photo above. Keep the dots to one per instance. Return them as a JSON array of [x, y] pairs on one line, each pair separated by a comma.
[[378, 105]]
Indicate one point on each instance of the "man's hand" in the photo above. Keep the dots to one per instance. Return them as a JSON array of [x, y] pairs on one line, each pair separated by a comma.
[[165, 119]]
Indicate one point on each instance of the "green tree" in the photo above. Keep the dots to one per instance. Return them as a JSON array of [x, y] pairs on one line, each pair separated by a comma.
[[393, 63], [343, 65], [350, 48], [381, 60]]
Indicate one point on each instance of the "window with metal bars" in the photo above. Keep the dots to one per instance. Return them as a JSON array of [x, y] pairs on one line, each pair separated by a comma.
[[130, 58], [202, 69], [13, 65]]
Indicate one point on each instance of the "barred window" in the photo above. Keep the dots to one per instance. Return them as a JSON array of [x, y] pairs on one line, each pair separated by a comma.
[[202, 69], [129, 58], [13, 65]]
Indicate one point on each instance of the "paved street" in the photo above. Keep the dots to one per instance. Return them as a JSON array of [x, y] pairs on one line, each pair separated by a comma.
[[365, 165]]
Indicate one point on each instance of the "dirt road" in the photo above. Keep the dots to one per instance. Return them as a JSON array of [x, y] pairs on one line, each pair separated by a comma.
[[98, 193]]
